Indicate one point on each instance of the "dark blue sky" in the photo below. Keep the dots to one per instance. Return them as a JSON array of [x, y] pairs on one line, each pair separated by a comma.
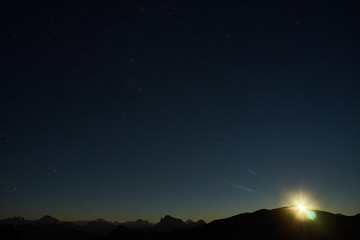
[[137, 109]]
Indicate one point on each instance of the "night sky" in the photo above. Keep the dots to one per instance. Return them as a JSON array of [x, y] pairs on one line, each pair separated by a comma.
[[198, 109]]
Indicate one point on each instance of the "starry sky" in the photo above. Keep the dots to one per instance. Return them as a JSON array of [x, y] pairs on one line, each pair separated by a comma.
[[198, 109]]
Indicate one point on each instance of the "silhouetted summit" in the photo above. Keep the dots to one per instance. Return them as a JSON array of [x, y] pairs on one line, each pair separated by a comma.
[[281, 223], [139, 225], [169, 223], [99, 226], [15, 220], [191, 223], [47, 220]]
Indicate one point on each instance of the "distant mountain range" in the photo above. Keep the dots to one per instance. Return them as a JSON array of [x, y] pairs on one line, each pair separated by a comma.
[[281, 223], [96, 228]]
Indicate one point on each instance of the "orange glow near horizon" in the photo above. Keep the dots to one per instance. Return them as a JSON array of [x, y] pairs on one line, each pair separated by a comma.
[[302, 206]]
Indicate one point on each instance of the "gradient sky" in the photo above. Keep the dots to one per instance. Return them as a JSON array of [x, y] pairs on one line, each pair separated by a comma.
[[137, 109]]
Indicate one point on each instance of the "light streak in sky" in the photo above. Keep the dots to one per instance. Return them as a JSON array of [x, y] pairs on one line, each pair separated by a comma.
[[253, 172], [240, 187]]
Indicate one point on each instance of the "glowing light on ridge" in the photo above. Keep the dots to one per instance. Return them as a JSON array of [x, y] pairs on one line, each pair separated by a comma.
[[302, 206]]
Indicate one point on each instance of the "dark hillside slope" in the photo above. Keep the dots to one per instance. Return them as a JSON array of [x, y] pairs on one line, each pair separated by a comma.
[[279, 223]]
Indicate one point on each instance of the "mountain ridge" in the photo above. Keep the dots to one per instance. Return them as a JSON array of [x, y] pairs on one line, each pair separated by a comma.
[[165, 224], [280, 223]]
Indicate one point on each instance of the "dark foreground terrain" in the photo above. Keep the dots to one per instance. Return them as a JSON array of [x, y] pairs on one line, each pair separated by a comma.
[[279, 223]]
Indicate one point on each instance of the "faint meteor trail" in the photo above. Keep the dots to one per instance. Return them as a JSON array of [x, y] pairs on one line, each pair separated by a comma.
[[239, 186], [253, 172]]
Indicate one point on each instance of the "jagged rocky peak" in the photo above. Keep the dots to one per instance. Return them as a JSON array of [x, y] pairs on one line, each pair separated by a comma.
[[189, 221], [171, 220], [169, 223], [139, 224], [200, 222]]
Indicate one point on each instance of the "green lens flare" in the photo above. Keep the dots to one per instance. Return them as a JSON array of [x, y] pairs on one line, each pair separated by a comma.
[[311, 214]]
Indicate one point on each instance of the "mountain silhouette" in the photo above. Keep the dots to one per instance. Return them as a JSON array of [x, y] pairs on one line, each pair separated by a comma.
[[139, 225], [48, 227], [32, 232], [169, 223], [15, 220], [47, 220], [281, 223], [98, 226], [190, 223]]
